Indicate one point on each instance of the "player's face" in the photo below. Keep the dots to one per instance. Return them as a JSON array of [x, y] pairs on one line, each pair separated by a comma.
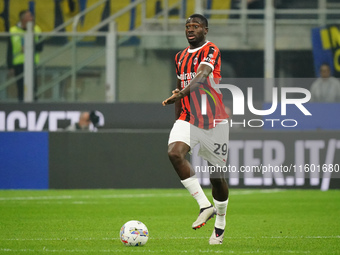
[[195, 32]]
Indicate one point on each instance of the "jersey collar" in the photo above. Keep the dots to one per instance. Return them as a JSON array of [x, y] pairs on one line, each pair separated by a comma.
[[197, 49]]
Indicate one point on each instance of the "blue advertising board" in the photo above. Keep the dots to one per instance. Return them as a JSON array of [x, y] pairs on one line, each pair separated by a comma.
[[24, 160]]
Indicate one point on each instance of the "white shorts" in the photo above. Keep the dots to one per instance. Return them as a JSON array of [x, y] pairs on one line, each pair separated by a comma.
[[213, 142]]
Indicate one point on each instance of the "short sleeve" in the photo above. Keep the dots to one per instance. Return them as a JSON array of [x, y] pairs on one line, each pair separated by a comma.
[[211, 56]]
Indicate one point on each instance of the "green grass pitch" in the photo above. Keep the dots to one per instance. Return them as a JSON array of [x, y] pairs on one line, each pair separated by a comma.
[[88, 222]]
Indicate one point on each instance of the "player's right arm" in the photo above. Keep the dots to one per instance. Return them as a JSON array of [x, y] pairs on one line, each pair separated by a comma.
[[178, 104]]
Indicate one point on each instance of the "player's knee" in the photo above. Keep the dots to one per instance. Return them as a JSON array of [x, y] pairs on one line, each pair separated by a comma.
[[175, 155]]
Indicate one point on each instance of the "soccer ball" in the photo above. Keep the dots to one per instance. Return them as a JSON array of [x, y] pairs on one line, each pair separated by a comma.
[[134, 233]]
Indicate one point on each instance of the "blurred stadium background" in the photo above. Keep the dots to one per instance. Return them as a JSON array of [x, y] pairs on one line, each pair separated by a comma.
[[117, 57]]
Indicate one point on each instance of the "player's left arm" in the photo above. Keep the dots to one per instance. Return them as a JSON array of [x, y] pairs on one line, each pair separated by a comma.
[[202, 74]]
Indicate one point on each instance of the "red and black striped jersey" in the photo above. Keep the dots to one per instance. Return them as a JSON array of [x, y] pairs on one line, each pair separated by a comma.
[[204, 104]]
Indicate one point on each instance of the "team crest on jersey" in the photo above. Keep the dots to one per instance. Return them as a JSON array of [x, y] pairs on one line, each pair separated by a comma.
[[195, 61]]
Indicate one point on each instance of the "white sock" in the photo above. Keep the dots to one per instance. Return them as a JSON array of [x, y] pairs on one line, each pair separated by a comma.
[[221, 208], [195, 189]]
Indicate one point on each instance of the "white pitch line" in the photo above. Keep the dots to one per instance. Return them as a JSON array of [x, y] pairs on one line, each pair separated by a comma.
[[92, 197], [36, 198], [142, 195]]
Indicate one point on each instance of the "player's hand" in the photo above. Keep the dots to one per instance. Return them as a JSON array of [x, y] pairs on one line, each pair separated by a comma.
[[171, 99]]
